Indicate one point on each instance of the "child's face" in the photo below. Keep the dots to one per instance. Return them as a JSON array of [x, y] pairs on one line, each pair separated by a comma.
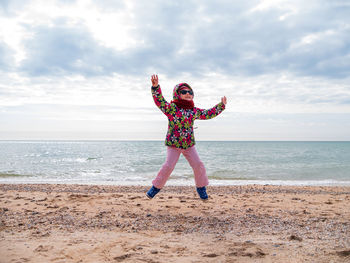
[[186, 96]]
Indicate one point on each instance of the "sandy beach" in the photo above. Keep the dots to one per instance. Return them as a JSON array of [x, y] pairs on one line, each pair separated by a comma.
[[84, 223]]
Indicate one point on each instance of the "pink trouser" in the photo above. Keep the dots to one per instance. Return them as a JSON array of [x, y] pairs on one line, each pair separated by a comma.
[[173, 155]]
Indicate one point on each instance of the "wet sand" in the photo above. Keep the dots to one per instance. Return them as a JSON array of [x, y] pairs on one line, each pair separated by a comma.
[[81, 223]]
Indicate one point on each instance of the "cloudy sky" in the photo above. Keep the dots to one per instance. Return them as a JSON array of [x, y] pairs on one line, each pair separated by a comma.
[[81, 69]]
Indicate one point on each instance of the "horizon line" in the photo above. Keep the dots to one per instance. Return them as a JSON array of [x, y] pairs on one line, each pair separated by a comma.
[[150, 140]]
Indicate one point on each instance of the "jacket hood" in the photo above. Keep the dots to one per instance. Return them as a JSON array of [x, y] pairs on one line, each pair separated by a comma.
[[176, 95]]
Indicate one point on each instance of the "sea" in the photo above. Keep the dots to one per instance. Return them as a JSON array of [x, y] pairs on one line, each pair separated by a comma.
[[138, 162]]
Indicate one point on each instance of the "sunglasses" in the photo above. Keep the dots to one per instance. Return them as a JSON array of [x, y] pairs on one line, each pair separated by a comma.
[[183, 92]]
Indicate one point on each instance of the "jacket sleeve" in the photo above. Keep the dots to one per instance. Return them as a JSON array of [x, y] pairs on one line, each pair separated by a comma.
[[210, 113], [159, 100]]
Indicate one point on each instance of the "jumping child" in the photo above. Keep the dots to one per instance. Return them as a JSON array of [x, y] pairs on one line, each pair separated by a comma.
[[181, 114]]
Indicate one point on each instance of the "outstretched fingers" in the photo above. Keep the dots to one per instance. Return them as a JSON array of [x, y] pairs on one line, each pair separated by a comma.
[[154, 80]]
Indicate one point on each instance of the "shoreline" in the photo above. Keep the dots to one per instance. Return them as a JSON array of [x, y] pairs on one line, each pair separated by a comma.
[[179, 183], [245, 223], [171, 188]]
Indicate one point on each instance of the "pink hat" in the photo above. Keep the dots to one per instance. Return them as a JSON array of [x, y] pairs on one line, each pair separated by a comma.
[[179, 87]]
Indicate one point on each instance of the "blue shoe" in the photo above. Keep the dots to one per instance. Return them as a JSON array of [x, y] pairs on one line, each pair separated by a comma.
[[152, 192], [202, 193]]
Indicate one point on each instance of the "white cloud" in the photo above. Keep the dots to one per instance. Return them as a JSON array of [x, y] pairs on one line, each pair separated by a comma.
[[91, 61]]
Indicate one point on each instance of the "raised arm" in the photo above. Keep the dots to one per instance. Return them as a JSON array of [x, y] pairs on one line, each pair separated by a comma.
[[213, 112], [158, 98]]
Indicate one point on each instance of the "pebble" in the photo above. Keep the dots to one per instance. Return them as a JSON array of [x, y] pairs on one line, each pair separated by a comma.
[[212, 255], [294, 237]]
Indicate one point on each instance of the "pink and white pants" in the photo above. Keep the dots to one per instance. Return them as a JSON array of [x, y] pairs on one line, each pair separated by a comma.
[[173, 155]]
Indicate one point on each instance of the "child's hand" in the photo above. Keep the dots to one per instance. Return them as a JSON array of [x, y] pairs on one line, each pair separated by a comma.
[[224, 100], [154, 80]]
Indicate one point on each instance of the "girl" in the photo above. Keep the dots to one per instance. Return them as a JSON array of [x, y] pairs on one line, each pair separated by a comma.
[[181, 114]]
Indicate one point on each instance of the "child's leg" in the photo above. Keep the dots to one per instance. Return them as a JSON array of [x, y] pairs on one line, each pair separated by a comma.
[[200, 174], [172, 157]]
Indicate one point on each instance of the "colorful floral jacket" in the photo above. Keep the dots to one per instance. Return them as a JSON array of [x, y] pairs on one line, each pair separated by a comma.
[[180, 126]]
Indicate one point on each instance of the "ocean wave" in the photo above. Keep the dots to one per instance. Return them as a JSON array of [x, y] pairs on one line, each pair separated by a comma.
[[93, 158], [214, 176], [3, 175], [229, 174], [229, 178]]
